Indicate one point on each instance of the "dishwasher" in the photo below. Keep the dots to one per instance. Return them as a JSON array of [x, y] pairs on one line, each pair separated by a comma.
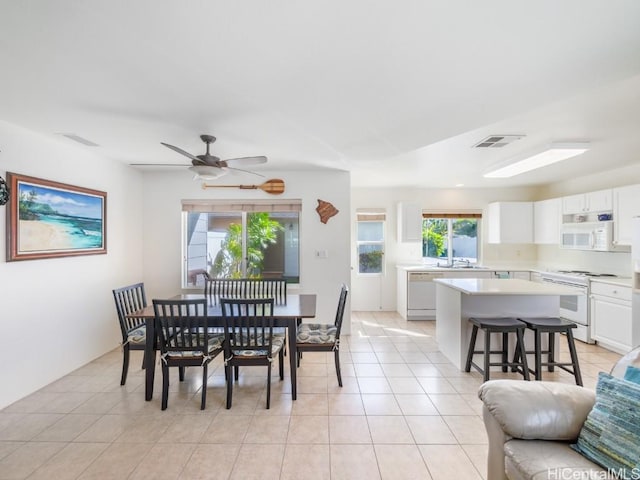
[[421, 295]]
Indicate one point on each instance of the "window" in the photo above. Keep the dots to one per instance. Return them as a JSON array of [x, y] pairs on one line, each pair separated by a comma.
[[232, 240], [450, 237], [370, 241]]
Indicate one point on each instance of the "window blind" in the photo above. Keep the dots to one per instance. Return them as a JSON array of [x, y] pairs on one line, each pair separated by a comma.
[[213, 206], [371, 214]]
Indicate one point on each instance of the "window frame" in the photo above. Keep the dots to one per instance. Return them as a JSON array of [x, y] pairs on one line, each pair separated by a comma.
[[371, 217], [450, 217], [243, 208]]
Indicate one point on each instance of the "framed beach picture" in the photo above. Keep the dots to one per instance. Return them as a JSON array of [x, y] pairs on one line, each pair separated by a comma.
[[48, 219]]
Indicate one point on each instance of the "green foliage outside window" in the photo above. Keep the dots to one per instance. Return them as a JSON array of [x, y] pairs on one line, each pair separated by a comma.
[[262, 231], [370, 262]]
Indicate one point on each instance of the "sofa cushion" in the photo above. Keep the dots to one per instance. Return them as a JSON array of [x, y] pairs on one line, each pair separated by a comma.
[[611, 434], [545, 460]]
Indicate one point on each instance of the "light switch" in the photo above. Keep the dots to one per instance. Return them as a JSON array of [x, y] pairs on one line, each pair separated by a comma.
[[322, 254]]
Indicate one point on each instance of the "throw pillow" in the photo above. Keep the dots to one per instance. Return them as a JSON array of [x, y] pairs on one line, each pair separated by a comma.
[[632, 374], [610, 436]]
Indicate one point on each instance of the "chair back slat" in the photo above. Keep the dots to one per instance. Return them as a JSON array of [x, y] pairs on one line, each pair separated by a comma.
[[128, 300], [248, 324], [216, 288], [181, 325]]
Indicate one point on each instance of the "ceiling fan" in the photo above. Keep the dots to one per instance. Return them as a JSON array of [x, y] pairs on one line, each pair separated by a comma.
[[210, 167]]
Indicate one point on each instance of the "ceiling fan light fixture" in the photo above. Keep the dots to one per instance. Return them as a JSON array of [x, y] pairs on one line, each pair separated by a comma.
[[556, 152], [207, 172]]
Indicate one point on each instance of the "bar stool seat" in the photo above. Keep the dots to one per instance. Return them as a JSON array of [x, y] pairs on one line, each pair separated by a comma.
[[551, 326], [505, 326]]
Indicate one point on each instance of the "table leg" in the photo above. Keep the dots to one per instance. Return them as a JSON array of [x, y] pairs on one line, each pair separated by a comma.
[[150, 359], [293, 356]]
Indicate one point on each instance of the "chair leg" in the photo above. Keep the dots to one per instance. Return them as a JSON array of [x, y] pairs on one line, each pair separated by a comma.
[[538, 354], [281, 364], [299, 353], [269, 386], [165, 385], [125, 363], [144, 358], [236, 372], [229, 371], [487, 354], [523, 353], [181, 373], [505, 351], [203, 402], [337, 357], [552, 346], [472, 347], [574, 357]]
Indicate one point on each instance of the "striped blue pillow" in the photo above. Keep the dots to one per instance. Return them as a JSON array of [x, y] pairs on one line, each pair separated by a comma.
[[632, 374], [610, 436]]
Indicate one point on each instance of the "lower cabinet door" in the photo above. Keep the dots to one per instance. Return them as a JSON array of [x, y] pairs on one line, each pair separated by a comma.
[[611, 322]]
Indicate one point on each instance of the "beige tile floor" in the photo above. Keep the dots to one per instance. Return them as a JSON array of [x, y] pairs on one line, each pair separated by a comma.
[[404, 412]]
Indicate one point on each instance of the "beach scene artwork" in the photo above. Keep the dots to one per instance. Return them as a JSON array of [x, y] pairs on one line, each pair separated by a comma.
[[53, 219]]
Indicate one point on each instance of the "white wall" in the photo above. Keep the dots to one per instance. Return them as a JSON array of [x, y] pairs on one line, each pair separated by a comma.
[[58, 314], [379, 293], [161, 202]]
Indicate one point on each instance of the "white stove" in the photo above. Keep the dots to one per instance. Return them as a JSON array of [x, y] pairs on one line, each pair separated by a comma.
[[575, 308], [576, 277]]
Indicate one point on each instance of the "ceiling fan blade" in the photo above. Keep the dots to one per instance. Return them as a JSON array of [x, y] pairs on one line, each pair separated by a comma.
[[182, 152], [159, 164], [245, 161], [244, 171]]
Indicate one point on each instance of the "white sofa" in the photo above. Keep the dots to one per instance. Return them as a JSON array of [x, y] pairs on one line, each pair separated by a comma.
[[530, 426]]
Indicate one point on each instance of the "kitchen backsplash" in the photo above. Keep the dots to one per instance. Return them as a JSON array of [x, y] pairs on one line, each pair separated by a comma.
[[551, 256]]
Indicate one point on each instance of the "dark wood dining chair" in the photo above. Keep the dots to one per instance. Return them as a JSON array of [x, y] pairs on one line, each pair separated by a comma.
[[249, 339], [320, 337], [129, 300], [216, 288], [184, 340]]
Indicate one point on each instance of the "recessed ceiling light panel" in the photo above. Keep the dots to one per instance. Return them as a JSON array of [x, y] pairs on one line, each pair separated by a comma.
[[556, 152]]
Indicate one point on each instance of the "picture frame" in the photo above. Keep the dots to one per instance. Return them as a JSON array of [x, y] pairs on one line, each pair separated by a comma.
[[47, 219]]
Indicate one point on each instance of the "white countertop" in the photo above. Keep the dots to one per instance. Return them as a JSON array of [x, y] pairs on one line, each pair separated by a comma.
[[622, 281], [506, 286]]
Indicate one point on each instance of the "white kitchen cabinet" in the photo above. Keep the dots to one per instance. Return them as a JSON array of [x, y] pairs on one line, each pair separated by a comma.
[[546, 221], [611, 316], [625, 207], [510, 222], [409, 222], [598, 201]]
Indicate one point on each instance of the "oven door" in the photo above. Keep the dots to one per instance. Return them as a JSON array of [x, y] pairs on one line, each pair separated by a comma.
[[574, 308]]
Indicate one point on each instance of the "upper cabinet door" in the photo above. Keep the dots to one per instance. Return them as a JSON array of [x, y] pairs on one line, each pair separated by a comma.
[[574, 204], [600, 201], [510, 222], [591, 202], [625, 207], [409, 222], [546, 221]]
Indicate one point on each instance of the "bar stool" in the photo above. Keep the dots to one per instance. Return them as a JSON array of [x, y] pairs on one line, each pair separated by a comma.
[[551, 326], [497, 325]]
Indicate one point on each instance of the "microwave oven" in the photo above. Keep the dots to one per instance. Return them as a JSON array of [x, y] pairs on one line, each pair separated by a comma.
[[596, 236]]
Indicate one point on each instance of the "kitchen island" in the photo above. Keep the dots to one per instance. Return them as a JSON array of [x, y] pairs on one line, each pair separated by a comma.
[[458, 299]]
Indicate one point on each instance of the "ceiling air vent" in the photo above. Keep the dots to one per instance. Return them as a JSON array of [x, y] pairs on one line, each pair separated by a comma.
[[497, 141]]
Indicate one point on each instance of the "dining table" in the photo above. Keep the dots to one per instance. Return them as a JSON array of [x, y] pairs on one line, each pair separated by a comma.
[[287, 313]]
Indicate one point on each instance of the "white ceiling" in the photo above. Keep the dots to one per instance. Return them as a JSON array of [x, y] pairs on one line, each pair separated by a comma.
[[396, 92]]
